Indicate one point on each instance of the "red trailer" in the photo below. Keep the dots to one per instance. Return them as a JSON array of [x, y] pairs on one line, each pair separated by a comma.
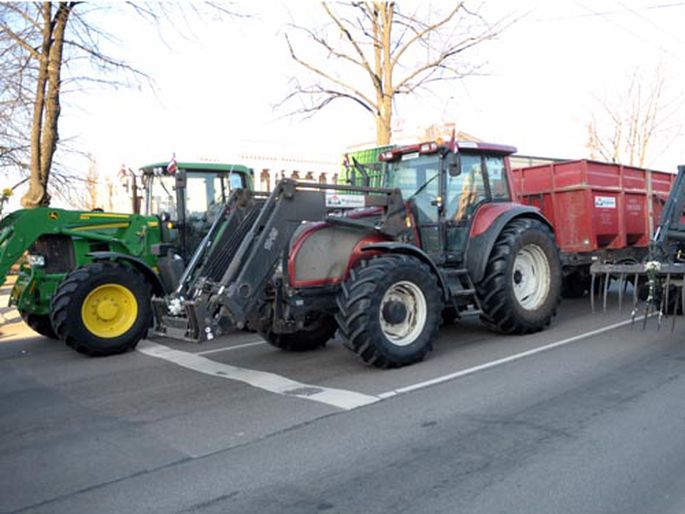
[[599, 211]]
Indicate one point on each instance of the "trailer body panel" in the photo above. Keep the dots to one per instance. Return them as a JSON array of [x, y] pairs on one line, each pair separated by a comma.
[[595, 207]]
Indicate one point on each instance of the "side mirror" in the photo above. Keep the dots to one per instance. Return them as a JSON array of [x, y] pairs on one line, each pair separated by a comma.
[[454, 164]]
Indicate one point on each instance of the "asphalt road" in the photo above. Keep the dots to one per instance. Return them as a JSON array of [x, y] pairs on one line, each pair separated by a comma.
[[588, 416]]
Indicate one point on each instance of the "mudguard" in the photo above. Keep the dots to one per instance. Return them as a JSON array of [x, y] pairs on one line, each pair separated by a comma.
[[487, 225], [157, 287], [414, 251]]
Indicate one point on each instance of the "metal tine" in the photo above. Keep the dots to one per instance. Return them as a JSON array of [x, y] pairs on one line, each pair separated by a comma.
[[621, 278], [606, 290], [636, 284], [666, 292], [592, 292], [675, 308], [682, 298], [644, 320], [633, 314], [661, 313]]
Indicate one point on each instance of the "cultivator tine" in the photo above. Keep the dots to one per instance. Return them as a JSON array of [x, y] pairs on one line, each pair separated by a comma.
[[592, 291], [621, 290], [607, 279], [644, 319]]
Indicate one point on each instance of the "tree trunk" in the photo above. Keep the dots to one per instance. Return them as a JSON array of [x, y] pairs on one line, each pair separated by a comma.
[[52, 103], [36, 193], [44, 133], [386, 93]]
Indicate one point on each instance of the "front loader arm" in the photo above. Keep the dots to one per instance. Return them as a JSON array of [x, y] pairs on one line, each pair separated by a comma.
[[20, 229], [256, 235]]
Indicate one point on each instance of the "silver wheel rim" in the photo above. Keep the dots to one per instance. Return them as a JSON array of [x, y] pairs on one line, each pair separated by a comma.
[[531, 277], [412, 298]]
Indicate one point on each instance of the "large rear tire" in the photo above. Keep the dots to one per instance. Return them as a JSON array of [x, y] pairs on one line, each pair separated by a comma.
[[316, 334], [39, 323], [389, 310], [102, 308], [522, 285]]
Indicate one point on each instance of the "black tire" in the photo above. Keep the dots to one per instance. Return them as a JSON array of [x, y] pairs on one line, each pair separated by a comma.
[[315, 335], [502, 311], [39, 323], [576, 285], [450, 315], [66, 308], [360, 310]]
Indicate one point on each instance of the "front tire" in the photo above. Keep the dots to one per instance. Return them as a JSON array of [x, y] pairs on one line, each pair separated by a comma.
[[389, 310], [102, 308], [315, 334], [39, 323], [522, 285]]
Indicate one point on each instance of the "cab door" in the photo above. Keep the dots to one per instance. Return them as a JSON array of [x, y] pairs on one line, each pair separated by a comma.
[[483, 178]]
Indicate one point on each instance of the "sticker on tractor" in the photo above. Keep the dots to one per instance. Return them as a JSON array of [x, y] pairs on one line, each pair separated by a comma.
[[605, 202], [334, 199]]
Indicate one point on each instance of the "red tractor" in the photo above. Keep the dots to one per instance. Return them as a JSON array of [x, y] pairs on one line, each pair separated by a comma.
[[383, 266]]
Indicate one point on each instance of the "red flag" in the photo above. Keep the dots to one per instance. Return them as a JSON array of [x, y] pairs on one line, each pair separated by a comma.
[[172, 166]]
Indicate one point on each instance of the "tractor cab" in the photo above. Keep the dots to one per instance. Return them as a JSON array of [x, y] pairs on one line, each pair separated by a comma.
[[188, 196], [444, 185]]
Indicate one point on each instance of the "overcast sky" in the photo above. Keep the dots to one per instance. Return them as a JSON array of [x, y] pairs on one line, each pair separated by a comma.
[[217, 83]]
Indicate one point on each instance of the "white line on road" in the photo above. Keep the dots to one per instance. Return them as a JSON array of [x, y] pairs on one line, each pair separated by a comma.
[[227, 348], [272, 382], [499, 362]]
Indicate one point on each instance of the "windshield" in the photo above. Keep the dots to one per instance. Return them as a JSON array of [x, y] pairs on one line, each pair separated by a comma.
[[160, 194], [414, 175], [204, 190]]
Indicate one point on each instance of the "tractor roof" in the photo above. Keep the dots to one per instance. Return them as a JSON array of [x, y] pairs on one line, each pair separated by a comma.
[[199, 166], [433, 146]]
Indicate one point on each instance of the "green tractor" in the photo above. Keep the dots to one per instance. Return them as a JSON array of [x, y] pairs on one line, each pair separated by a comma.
[[88, 276]]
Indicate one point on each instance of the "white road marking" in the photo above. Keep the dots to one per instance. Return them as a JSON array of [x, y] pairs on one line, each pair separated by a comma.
[[499, 362], [272, 382], [227, 348], [340, 398]]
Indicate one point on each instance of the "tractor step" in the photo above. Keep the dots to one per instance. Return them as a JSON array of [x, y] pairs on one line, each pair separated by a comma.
[[455, 291]]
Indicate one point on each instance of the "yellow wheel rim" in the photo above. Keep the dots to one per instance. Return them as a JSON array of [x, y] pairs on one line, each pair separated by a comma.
[[109, 310]]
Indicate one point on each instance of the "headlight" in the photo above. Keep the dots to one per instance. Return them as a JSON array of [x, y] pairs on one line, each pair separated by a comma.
[[36, 261]]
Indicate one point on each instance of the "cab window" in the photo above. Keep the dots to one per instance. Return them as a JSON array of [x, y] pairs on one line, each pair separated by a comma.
[[497, 177], [466, 190]]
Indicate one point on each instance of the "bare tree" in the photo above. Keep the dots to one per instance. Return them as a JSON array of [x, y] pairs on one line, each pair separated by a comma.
[[37, 43], [92, 185], [372, 52], [627, 124]]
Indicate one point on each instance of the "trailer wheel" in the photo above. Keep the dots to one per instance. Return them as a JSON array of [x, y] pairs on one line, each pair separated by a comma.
[[316, 334], [39, 323], [522, 284], [576, 285], [389, 310], [102, 308]]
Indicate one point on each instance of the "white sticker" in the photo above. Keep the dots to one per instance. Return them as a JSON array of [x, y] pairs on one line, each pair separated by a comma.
[[605, 202], [410, 156], [334, 199]]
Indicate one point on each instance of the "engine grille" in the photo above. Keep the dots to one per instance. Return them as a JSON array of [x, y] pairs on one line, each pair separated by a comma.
[[58, 251]]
